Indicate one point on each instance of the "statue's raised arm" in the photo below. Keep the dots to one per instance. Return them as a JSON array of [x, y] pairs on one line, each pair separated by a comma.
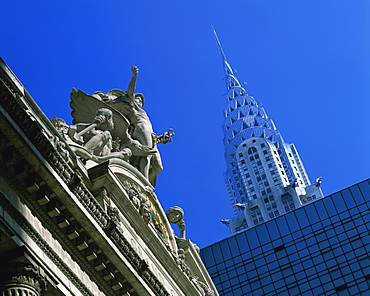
[[132, 126], [132, 85]]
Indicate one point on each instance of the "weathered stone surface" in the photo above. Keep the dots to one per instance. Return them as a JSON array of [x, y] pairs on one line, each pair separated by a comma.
[[88, 230]]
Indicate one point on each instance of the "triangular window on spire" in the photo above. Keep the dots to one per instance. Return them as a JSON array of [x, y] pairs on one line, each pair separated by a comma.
[[255, 123], [230, 93], [250, 112], [245, 126], [232, 120], [229, 83], [238, 104]]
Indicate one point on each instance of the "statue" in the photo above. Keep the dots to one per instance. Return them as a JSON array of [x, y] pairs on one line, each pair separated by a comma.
[[132, 127], [94, 136], [92, 141], [175, 215]]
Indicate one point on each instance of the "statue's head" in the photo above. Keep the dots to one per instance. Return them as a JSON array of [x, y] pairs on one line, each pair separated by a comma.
[[175, 214], [115, 93], [60, 125], [105, 117], [139, 100]]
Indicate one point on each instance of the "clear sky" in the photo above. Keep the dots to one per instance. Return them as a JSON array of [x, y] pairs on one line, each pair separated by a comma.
[[307, 61]]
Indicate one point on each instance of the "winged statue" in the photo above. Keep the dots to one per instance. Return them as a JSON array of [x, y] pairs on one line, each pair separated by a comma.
[[115, 121]]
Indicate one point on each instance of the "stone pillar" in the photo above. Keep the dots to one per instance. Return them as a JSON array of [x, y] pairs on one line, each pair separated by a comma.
[[21, 279]]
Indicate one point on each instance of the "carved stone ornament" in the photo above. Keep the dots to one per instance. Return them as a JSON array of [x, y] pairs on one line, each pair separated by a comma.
[[145, 208], [113, 214], [202, 287], [181, 262], [28, 281], [22, 279]]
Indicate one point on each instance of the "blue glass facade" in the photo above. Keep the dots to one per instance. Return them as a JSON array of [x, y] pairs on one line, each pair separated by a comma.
[[321, 248]]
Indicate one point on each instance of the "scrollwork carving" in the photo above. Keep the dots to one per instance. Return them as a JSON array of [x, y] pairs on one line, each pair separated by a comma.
[[145, 209]]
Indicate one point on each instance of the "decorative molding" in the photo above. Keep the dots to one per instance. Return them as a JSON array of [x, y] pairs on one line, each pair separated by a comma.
[[139, 264], [48, 148], [44, 246]]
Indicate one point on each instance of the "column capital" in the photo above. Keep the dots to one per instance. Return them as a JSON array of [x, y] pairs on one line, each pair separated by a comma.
[[23, 277]]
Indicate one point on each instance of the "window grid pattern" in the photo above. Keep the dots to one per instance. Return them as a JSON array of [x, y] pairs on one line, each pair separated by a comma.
[[256, 215], [319, 249], [287, 201]]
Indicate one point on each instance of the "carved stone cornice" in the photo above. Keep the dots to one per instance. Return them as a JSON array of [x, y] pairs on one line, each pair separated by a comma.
[[34, 132], [39, 139], [58, 160], [139, 264], [44, 246], [75, 183], [18, 183]]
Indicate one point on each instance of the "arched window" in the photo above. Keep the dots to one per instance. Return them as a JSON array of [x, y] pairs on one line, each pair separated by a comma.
[[252, 150]]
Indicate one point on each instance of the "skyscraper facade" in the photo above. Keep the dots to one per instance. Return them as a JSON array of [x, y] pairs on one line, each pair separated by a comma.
[[265, 176], [321, 248]]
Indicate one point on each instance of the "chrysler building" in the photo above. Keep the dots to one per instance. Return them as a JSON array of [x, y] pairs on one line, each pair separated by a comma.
[[265, 176]]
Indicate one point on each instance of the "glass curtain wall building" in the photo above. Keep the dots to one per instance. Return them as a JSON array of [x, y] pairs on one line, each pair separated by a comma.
[[265, 176], [321, 248]]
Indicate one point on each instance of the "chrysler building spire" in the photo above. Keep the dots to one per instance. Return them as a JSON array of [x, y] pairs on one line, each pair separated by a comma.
[[264, 173]]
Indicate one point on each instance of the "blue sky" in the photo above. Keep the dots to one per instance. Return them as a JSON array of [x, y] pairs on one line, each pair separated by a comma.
[[308, 62]]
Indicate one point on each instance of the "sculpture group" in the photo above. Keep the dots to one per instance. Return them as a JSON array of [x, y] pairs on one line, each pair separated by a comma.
[[114, 125]]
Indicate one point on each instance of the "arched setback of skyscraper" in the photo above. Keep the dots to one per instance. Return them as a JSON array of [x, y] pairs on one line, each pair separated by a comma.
[[265, 176]]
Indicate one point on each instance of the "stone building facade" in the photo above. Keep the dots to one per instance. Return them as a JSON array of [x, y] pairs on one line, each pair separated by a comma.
[[71, 229]]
